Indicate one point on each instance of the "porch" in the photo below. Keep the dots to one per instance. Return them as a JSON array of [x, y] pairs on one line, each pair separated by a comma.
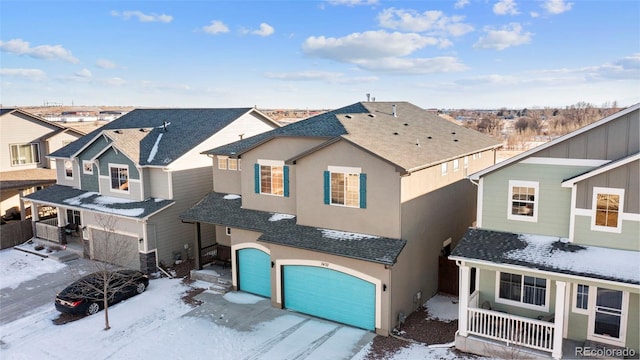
[[483, 330]]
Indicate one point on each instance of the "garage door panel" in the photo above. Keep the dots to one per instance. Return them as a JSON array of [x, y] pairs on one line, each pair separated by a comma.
[[254, 272], [115, 248], [330, 294]]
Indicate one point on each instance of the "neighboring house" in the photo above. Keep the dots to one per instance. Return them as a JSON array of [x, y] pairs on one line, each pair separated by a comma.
[[344, 215], [25, 141], [128, 181], [554, 262]]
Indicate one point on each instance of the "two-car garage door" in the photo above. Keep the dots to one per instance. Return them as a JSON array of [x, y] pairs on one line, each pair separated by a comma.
[[313, 290], [330, 294]]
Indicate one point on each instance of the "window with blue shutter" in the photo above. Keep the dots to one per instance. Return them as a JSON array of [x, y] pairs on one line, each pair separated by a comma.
[[327, 187], [256, 178], [285, 170], [363, 191]]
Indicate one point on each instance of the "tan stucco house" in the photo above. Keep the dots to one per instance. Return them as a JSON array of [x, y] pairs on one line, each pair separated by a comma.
[[344, 215]]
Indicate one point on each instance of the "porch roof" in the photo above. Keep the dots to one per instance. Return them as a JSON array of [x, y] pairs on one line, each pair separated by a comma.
[[68, 197], [281, 229], [552, 254]]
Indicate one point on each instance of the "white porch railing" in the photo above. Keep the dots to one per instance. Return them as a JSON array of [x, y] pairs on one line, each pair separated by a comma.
[[512, 329], [48, 229]]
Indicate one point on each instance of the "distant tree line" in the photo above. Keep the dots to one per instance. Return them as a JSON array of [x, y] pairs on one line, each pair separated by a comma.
[[517, 127]]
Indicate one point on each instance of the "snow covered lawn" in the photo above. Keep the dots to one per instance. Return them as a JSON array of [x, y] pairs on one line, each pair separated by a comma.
[[153, 325]]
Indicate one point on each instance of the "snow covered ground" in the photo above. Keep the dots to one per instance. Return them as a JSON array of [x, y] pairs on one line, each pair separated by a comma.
[[154, 326]]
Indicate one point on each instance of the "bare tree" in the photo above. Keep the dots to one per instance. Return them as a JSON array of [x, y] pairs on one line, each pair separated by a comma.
[[113, 252]]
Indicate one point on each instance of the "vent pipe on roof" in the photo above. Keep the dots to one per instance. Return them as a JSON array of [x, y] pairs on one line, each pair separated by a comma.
[[368, 97], [393, 110], [164, 126]]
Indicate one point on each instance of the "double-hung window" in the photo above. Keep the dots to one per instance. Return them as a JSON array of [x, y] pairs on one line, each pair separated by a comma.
[[523, 200], [25, 154], [272, 178], [119, 177], [607, 208], [522, 290], [68, 169], [580, 298], [345, 186]]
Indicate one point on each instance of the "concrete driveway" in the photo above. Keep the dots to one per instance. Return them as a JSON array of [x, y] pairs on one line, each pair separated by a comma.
[[286, 334]]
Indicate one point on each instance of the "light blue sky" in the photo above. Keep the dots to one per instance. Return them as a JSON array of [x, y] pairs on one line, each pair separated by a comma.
[[320, 54]]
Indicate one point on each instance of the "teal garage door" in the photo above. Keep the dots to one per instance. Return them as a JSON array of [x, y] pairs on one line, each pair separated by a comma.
[[330, 294], [254, 272]]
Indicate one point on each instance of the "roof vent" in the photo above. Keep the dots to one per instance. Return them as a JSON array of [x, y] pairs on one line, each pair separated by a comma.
[[372, 115], [453, 133], [368, 97], [118, 131], [164, 126], [395, 133], [348, 116], [418, 142], [393, 110], [429, 137], [405, 124], [143, 130], [456, 140]]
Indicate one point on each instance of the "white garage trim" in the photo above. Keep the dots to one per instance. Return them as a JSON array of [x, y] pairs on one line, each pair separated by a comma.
[[323, 264], [234, 250]]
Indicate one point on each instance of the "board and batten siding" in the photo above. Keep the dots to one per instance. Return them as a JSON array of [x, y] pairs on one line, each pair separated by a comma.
[[189, 186], [553, 200], [614, 140]]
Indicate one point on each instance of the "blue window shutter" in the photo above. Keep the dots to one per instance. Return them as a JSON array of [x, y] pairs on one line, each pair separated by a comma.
[[363, 191], [327, 187], [285, 173], [256, 178]]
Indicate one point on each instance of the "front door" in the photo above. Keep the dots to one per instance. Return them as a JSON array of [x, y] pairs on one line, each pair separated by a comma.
[[607, 320]]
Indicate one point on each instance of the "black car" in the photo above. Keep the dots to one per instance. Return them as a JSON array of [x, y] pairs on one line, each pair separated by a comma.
[[85, 296]]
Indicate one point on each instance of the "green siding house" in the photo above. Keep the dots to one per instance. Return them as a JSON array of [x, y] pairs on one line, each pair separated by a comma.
[[552, 267]]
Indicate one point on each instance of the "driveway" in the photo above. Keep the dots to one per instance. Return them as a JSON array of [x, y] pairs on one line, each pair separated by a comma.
[[284, 334]]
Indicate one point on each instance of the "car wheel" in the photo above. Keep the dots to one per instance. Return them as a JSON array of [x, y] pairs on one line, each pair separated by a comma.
[[93, 309], [140, 288]]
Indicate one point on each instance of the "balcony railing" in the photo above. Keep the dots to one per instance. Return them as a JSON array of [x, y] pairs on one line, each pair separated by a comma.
[[512, 329]]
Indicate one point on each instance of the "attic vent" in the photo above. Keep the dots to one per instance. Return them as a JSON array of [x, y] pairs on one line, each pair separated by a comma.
[[372, 115], [118, 131], [143, 130], [348, 116], [429, 137], [456, 140], [453, 133], [395, 133], [405, 124]]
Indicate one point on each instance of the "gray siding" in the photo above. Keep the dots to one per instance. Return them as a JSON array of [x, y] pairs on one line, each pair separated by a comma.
[[189, 186], [614, 140], [157, 183], [553, 201]]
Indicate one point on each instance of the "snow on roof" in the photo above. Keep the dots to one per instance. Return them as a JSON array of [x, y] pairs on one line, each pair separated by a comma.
[[231, 197], [278, 217], [343, 235], [544, 250], [101, 203], [154, 150]]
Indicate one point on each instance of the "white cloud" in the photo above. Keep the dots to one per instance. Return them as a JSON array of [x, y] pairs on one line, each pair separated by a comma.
[[444, 64], [29, 74], [556, 6], [215, 27], [460, 4], [429, 21], [510, 35], [46, 52], [105, 64], [265, 30], [352, 2], [505, 7], [534, 14], [142, 17], [83, 74], [115, 81], [366, 45], [303, 75]]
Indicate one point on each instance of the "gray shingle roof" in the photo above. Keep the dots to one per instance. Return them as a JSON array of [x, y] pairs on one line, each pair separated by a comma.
[[412, 139], [549, 254], [67, 196], [186, 128], [215, 209]]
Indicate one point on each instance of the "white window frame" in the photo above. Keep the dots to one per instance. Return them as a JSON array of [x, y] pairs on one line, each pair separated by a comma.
[[344, 170], [32, 146], [624, 314], [66, 176], [521, 304], [574, 301], [87, 167], [120, 166], [456, 165], [271, 164], [443, 168], [536, 201], [232, 164], [611, 191], [466, 162], [222, 162]]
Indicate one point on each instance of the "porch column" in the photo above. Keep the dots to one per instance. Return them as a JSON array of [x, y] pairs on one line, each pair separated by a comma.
[[23, 213], [558, 323], [463, 298], [34, 218]]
